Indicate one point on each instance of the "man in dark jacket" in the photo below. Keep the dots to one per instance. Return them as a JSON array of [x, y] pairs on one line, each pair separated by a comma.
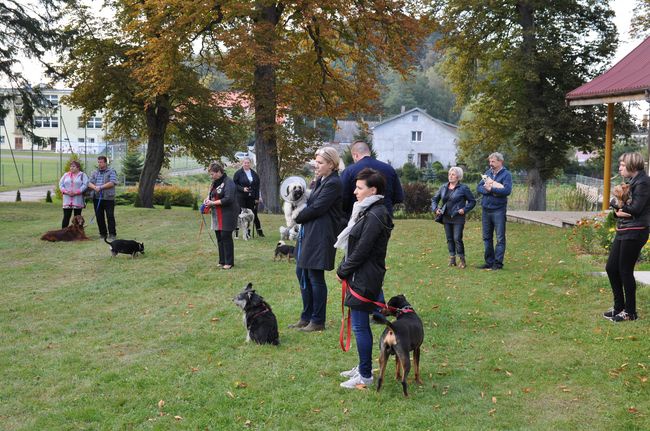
[[362, 159], [495, 188]]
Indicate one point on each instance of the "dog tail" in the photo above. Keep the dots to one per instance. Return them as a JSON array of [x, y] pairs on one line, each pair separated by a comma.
[[107, 242], [381, 319]]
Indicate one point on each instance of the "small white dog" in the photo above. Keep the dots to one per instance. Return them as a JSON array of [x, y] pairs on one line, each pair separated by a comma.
[[244, 221], [488, 180], [296, 201]]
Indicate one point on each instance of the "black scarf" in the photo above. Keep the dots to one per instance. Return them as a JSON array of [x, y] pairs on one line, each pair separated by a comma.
[[217, 187]]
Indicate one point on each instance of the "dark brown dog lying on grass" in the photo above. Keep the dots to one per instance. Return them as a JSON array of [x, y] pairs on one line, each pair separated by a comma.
[[74, 232], [401, 337]]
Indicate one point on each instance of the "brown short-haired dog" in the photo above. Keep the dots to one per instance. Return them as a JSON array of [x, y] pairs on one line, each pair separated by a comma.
[[401, 337], [621, 194], [74, 232]]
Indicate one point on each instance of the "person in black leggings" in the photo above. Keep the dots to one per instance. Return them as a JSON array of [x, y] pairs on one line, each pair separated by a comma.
[[633, 219]]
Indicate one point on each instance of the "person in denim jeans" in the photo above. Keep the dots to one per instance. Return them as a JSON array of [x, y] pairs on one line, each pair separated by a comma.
[[457, 200], [365, 241], [495, 188]]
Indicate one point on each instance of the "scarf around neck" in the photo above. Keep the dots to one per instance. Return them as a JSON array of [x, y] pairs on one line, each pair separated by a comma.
[[357, 208]]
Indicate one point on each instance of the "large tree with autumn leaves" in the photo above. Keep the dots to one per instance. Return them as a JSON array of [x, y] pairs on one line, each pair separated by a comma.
[[137, 67], [308, 58]]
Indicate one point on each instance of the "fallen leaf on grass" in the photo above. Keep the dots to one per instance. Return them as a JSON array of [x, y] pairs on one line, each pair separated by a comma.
[[633, 410], [195, 369], [241, 385], [494, 400], [315, 410], [161, 404], [492, 411], [230, 394], [527, 390], [360, 386], [508, 373], [214, 319], [248, 423], [178, 418], [643, 379], [346, 411]]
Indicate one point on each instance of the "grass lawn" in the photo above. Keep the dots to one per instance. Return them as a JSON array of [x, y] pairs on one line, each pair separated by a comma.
[[91, 342]]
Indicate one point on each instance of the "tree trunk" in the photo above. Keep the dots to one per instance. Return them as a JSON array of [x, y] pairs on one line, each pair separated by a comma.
[[536, 191], [157, 116], [265, 95]]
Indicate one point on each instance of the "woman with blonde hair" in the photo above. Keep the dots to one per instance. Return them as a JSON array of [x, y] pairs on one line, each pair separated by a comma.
[[456, 200], [321, 220]]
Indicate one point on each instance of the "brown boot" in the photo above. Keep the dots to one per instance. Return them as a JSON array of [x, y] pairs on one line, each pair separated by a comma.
[[452, 261], [461, 263]]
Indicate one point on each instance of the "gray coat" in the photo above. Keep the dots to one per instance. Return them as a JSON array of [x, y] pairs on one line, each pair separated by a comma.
[[224, 216], [321, 220]]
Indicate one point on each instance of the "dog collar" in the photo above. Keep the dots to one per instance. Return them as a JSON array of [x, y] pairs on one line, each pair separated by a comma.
[[404, 310]]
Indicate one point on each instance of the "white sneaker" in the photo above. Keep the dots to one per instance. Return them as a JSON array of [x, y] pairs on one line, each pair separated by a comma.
[[356, 381], [350, 373]]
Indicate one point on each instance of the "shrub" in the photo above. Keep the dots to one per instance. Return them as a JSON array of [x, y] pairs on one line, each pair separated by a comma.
[[177, 196], [594, 235], [48, 197], [417, 198], [409, 173], [168, 204], [18, 198]]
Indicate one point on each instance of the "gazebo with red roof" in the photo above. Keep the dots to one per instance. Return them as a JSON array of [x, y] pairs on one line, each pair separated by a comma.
[[627, 80]]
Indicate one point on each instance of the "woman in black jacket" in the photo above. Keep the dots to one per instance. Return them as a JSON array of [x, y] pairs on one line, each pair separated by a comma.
[[248, 191], [457, 201], [365, 241], [223, 206], [633, 219], [321, 222]]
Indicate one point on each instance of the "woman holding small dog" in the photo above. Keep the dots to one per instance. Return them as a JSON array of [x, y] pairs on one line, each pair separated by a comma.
[[248, 191], [457, 200], [321, 221], [365, 241], [73, 184], [224, 208], [632, 221]]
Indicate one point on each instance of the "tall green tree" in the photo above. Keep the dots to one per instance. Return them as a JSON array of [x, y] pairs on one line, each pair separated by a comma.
[[511, 63], [27, 29], [132, 166], [310, 58], [137, 69]]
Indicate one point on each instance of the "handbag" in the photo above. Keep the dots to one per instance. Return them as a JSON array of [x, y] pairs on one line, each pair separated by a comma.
[[438, 218]]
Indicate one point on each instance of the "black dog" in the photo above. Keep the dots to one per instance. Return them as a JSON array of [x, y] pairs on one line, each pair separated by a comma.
[[284, 250], [259, 320], [400, 337], [125, 246]]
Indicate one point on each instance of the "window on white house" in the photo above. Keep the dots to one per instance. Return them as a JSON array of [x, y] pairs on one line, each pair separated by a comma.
[[416, 136], [53, 100], [92, 123], [414, 118], [80, 140], [2, 139], [46, 122]]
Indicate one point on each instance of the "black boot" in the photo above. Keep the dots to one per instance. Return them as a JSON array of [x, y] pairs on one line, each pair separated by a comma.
[[462, 263], [260, 233], [236, 233], [452, 261]]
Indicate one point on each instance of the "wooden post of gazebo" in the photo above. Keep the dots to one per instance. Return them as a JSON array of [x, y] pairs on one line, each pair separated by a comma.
[[607, 175]]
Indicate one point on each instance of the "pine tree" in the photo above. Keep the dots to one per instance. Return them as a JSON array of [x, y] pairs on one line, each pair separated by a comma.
[[132, 164], [48, 197]]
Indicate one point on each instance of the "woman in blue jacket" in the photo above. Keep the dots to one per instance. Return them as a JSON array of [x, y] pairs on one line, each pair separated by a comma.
[[457, 200]]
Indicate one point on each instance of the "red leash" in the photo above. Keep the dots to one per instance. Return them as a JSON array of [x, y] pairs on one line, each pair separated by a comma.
[[345, 287]]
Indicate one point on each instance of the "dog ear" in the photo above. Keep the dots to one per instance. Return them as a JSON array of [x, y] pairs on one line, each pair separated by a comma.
[[249, 286], [287, 190]]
